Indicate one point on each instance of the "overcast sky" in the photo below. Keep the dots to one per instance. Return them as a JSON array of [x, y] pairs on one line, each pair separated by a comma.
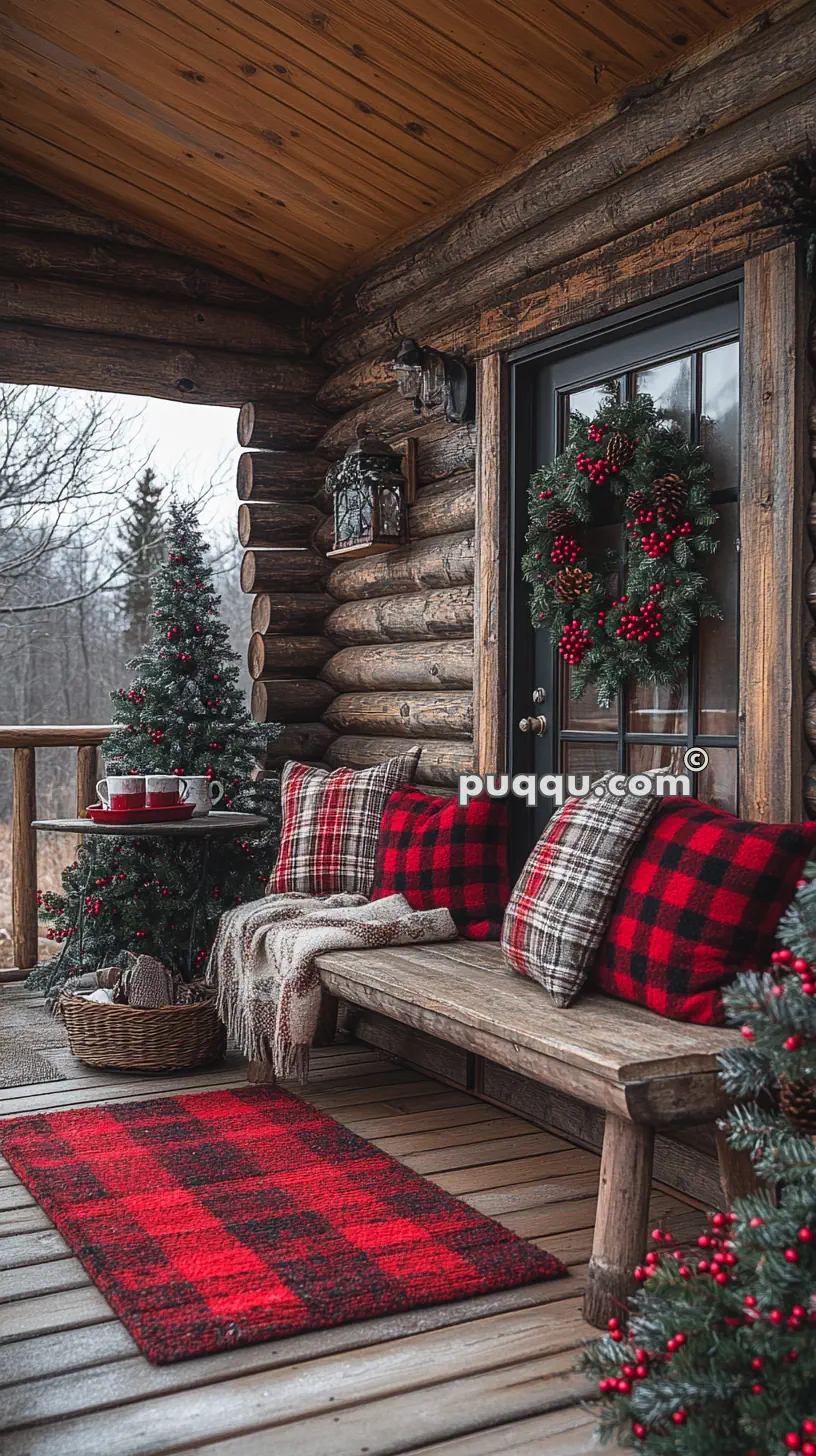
[[192, 443]]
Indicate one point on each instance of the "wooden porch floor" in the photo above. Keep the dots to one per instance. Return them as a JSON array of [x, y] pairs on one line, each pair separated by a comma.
[[485, 1376]]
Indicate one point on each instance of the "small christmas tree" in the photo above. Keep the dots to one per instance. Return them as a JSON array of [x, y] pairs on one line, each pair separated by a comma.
[[183, 714], [719, 1356]]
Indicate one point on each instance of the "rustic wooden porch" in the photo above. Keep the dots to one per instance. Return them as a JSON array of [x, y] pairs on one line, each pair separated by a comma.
[[494, 1374]]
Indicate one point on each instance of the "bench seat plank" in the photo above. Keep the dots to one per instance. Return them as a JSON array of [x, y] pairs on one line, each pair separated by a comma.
[[619, 1056]]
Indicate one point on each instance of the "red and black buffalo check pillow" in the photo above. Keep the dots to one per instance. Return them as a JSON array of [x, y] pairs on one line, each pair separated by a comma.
[[560, 908], [699, 903], [331, 823], [440, 854]]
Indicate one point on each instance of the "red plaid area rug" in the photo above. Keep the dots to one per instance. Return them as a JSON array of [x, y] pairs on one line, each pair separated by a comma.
[[227, 1218]]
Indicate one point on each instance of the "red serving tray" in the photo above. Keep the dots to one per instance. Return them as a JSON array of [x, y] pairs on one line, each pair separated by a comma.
[[100, 815]]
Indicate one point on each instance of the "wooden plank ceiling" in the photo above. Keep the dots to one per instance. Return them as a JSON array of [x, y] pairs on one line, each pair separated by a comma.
[[287, 141]]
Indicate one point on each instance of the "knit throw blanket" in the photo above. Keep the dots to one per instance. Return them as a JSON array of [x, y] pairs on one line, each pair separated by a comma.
[[263, 964]]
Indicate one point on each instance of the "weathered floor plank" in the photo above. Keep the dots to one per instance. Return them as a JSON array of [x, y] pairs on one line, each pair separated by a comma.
[[479, 1377]]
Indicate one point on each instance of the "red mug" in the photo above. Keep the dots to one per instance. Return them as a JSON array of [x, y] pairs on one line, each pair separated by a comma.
[[164, 791], [122, 793]]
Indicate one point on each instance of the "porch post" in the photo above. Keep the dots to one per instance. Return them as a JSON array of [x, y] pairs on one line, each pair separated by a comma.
[[490, 570]]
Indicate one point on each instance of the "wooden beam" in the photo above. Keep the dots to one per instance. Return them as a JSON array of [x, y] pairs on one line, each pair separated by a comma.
[[307, 742], [289, 700], [271, 425], [399, 665], [490, 571], [700, 111], [24, 858], [441, 562], [404, 715], [441, 761], [287, 656], [282, 571], [809, 710], [109, 310], [428, 617], [33, 355], [265, 475], [278, 523], [282, 612], [772, 535]]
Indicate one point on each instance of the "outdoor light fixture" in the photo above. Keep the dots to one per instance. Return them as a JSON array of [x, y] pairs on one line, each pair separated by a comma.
[[434, 382], [370, 496]]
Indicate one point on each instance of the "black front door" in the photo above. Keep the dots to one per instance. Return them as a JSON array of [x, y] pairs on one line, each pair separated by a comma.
[[688, 359]]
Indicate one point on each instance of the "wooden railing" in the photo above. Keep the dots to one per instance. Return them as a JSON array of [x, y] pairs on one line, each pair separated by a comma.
[[25, 742]]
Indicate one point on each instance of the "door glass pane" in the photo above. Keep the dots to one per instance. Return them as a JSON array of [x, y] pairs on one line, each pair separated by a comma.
[[670, 388], [719, 666], [719, 420], [640, 757], [657, 708], [717, 784], [589, 400], [590, 758], [583, 714]]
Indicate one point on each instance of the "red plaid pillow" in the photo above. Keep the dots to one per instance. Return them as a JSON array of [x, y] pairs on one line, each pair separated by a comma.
[[560, 907], [331, 822], [440, 855], [699, 903]]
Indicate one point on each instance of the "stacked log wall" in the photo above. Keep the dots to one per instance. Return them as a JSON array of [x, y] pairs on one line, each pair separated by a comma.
[[86, 302]]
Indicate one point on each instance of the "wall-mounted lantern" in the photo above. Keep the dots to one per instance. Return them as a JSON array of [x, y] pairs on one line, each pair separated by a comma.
[[434, 382], [371, 496]]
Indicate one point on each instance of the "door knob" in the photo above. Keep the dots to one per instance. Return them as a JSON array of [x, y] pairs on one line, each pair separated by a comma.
[[533, 725]]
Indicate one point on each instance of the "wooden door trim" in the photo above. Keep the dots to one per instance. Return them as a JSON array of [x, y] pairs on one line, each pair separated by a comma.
[[773, 504], [490, 678]]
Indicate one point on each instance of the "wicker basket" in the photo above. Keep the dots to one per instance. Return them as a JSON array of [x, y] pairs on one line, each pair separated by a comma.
[[135, 1039]]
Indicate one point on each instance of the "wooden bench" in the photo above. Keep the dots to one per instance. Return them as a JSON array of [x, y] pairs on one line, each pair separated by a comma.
[[644, 1072]]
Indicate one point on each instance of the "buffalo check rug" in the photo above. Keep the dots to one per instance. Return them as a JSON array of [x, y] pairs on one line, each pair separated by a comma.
[[227, 1218]]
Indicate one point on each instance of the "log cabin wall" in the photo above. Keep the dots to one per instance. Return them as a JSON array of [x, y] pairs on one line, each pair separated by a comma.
[[89, 303], [674, 190]]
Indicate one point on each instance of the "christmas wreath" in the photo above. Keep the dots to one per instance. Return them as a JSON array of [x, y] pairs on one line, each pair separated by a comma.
[[632, 453]]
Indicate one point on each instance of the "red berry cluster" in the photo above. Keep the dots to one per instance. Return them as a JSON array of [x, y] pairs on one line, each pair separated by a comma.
[[185, 656], [639, 1369], [645, 623], [172, 632], [656, 545], [92, 905], [597, 431], [219, 747], [598, 471], [156, 735], [803, 1440], [802, 968], [565, 551], [575, 642]]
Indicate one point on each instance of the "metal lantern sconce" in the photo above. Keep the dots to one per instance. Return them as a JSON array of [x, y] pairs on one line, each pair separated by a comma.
[[370, 498], [434, 382]]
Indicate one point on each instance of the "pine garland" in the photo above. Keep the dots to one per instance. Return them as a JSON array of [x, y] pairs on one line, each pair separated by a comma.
[[631, 453], [718, 1357], [184, 713]]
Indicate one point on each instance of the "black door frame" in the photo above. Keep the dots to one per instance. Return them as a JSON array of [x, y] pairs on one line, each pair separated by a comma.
[[523, 367]]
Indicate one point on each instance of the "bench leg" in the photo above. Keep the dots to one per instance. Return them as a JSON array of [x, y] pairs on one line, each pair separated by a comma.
[[326, 1029], [738, 1177], [622, 1221]]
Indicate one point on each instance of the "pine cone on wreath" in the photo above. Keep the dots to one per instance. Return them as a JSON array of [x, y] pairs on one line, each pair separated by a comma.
[[638, 502], [572, 583], [559, 521], [798, 1103], [669, 496], [620, 450]]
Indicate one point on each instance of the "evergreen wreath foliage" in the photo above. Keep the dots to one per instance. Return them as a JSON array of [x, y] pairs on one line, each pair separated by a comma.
[[631, 453], [718, 1356], [184, 713]]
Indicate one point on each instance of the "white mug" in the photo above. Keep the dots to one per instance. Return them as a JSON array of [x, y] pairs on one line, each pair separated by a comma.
[[203, 792], [122, 792], [164, 791]]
